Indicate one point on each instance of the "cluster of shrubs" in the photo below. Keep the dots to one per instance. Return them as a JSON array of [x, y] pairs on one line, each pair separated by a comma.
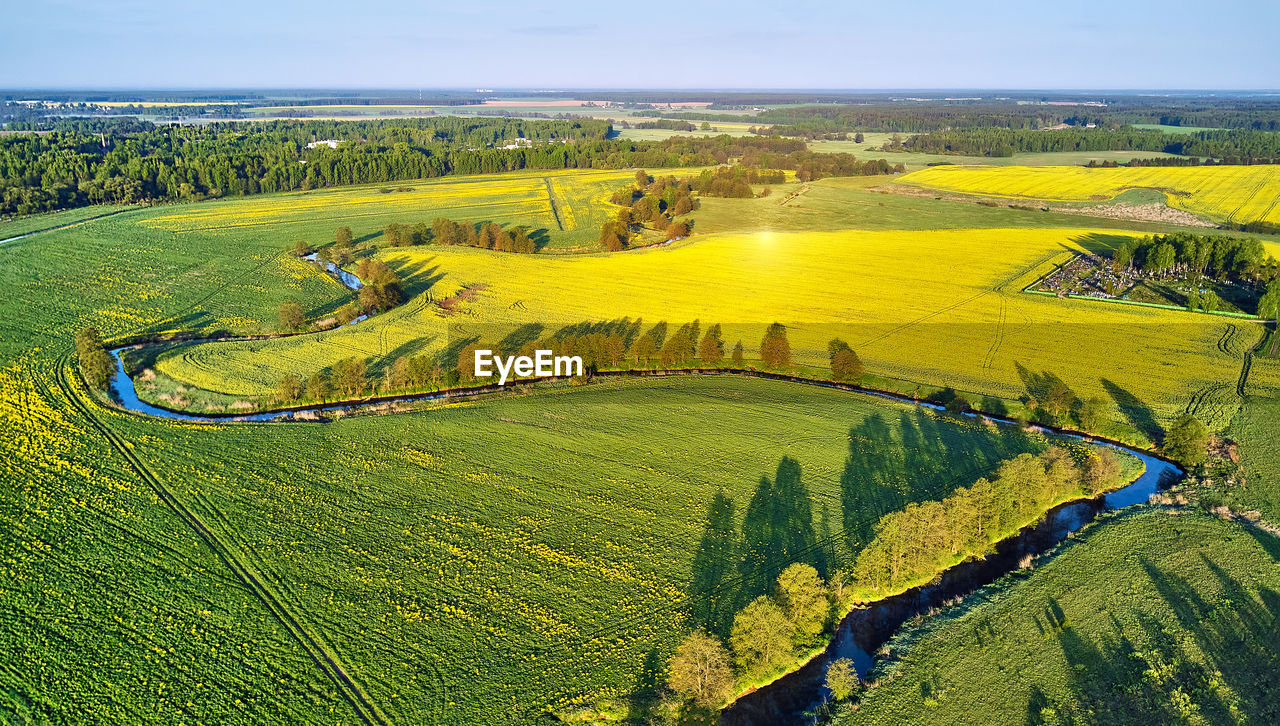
[[652, 203]]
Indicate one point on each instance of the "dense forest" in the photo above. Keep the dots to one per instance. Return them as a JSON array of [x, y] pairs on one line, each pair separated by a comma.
[[1231, 146], [127, 161]]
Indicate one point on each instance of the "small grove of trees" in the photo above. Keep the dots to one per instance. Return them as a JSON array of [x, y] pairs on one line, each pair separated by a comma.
[[765, 637], [95, 362], [1205, 300], [652, 203], [614, 235], [1195, 255], [382, 289]]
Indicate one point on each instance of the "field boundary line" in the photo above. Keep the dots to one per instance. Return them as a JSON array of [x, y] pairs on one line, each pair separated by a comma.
[[551, 199]]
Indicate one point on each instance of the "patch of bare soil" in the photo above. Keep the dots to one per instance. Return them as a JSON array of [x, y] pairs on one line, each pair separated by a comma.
[[1153, 212], [451, 304]]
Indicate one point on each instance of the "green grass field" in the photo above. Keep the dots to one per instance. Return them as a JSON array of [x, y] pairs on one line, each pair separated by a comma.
[[1175, 129], [1152, 617]]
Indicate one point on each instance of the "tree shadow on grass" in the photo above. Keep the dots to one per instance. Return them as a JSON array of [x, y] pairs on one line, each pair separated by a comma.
[[713, 588], [777, 531], [1098, 243], [1133, 409], [420, 276]]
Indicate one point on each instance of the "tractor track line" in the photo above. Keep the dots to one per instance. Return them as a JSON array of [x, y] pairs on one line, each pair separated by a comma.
[[319, 651]]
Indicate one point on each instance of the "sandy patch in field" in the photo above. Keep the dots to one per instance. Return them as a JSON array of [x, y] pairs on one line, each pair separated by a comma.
[[1153, 212]]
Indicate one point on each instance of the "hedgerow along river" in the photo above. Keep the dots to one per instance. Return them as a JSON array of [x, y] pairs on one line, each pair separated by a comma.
[[864, 630]]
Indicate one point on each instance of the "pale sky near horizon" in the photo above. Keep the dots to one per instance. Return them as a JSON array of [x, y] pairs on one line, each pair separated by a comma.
[[1122, 44]]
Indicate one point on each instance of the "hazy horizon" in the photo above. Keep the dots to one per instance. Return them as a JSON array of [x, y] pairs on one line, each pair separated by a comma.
[[914, 45]]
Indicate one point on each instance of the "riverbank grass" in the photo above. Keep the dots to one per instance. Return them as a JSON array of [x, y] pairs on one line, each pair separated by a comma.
[[1151, 615]]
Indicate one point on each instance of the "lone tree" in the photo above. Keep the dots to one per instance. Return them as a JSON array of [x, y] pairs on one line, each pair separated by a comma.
[[711, 348], [301, 248], [845, 364], [775, 351], [1094, 414], [1187, 440], [291, 317], [803, 596], [349, 376], [318, 387], [700, 670], [842, 679], [760, 637], [289, 389], [343, 237], [95, 361], [737, 357]]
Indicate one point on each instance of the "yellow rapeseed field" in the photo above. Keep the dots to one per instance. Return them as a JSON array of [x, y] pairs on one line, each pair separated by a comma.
[[520, 198], [940, 307], [1229, 193]]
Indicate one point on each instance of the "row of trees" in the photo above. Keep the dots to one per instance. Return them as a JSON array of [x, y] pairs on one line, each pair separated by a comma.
[[485, 235], [765, 637], [913, 544], [601, 346], [347, 378], [1228, 146]]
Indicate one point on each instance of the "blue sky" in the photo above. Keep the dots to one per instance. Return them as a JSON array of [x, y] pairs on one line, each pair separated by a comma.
[[566, 44]]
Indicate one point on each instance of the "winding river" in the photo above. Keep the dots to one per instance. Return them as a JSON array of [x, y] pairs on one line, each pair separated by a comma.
[[863, 631]]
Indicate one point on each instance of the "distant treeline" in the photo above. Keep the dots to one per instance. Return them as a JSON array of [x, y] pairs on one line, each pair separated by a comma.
[[665, 123], [1233, 146], [128, 161], [847, 113]]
